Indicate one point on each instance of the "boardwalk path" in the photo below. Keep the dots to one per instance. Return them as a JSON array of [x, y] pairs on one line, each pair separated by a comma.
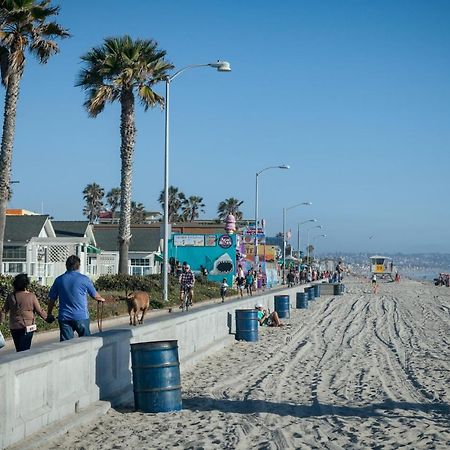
[[355, 371]]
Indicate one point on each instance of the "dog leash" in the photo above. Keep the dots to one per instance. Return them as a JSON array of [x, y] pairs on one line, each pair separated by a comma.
[[100, 316]]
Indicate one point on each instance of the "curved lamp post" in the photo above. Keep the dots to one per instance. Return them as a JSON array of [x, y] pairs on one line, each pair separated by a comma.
[[308, 230], [221, 66], [284, 234], [282, 166], [316, 237], [298, 232]]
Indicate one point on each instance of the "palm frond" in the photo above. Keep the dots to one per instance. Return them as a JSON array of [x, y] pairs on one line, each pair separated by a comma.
[[149, 98], [98, 97]]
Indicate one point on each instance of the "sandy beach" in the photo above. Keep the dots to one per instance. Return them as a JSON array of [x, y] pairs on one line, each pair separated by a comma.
[[353, 371]]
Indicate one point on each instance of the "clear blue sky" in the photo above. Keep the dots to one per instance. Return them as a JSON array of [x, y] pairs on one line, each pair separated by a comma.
[[353, 94]]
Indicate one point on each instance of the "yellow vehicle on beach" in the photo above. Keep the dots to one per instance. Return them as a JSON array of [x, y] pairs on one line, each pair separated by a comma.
[[382, 266]]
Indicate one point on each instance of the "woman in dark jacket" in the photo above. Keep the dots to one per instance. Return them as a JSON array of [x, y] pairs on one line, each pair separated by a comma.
[[22, 306]]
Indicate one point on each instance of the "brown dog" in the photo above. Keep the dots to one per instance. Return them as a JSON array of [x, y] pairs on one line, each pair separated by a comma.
[[137, 301]]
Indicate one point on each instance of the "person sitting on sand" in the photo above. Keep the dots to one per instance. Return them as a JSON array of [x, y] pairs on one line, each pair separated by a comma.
[[266, 318]]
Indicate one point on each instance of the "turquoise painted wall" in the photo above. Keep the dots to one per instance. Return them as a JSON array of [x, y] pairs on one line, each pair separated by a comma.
[[216, 252]]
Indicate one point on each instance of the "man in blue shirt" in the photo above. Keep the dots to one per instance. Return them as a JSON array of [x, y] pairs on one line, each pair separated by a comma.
[[72, 288]]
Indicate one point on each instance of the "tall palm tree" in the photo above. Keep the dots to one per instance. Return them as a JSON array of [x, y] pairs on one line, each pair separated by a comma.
[[191, 208], [230, 206], [119, 70], [24, 26], [176, 200], [113, 200], [137, 213], [93, 196]]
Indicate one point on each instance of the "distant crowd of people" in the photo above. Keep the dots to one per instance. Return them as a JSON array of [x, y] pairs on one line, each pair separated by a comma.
[[305, 275], [251, 282]]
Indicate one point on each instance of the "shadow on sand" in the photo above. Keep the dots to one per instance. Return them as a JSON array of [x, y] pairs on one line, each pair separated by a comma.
[[314, 410]]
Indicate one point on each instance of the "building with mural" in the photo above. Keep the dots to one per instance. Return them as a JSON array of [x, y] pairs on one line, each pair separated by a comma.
[[215, 251]]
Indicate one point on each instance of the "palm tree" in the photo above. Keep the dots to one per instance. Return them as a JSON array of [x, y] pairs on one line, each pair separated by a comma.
[[176, 200], [93, 196], [191, 208], [230, 206], [24, 26], [137, 213], [113, 200], [119, 70]]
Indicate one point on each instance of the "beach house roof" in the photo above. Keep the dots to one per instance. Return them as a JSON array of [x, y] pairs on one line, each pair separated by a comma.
[[144, 238], [20, 229]]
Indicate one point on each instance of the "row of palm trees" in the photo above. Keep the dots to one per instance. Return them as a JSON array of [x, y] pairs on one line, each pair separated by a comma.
[[188, 209], [181, 207], [94, 197], [121, 70]]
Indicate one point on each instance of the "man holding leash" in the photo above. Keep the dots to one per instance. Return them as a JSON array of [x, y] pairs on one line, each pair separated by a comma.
[[71, 288]]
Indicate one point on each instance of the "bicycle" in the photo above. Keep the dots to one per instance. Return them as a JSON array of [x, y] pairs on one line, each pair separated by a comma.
[[186, 299]]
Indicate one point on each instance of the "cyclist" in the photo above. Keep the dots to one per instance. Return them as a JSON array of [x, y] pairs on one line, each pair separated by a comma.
[[186, 280]]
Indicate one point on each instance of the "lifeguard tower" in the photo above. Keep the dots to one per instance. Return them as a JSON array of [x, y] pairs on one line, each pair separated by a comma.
[[382, 266]]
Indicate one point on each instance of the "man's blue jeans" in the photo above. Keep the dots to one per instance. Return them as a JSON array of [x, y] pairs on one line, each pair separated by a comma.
[[67, 327]]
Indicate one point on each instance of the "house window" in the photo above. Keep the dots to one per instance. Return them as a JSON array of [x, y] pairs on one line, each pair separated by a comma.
[[14, 253], [12, 268], [140, 266], [140, 262]]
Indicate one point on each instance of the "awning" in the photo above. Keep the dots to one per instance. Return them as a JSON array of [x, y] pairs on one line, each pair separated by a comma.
[[92, 249]]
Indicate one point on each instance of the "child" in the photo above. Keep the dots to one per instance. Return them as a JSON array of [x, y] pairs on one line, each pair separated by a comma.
[[223, 289]]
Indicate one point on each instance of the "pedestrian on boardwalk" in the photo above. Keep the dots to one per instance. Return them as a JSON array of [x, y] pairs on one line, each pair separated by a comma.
[[290, 278], [223, 289], [240, 283], [71, 288], [22, 306], [249, 282]]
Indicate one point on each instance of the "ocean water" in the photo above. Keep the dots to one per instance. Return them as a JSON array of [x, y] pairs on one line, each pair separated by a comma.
[[421, 274]]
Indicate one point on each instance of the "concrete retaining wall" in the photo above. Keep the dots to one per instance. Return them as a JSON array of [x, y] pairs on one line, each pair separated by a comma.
[[49, 383]]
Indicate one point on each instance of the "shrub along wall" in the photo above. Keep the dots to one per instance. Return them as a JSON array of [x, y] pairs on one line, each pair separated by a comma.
[[112, 288]]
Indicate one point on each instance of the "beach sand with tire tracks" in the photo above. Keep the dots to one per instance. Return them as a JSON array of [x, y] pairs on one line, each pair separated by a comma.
[[360, 370]]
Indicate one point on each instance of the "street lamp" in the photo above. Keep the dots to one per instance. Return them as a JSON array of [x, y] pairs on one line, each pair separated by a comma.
[[282, 166], [307, 248], [221, 66], [298, 232], [316, 237], [284, 233]]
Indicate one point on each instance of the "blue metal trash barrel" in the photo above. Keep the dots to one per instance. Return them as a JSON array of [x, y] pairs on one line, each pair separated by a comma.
[[301, 300], [336, 289], [156, 376], [317, 290], [282, 306], [310, 291], [247, 325]]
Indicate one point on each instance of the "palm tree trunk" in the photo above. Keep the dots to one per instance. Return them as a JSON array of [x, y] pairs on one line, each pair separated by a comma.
[[127, 135], [9, 128]]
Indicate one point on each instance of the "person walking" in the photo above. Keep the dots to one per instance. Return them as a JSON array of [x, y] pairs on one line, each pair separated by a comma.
[[374, 284], [71, 288], [223, 289], [249, 282], [22, 306]]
